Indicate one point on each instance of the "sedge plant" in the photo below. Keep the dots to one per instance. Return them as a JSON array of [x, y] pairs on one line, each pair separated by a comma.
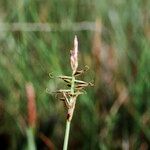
[[76, 88]]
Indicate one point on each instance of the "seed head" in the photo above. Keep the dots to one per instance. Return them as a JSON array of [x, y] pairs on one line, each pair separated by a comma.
[[31, 105], [74, 56]]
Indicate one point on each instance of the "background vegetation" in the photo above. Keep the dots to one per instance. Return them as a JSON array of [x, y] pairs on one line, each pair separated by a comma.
[[114, 41]]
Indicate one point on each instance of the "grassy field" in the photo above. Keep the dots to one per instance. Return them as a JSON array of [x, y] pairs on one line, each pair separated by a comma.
[[114, 41]]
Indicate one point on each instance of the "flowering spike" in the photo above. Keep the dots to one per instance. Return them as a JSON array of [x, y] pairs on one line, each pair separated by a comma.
[[32, 115], [74, 56]]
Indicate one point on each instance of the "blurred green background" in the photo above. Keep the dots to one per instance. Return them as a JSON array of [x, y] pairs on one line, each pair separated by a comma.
[[114, 41]]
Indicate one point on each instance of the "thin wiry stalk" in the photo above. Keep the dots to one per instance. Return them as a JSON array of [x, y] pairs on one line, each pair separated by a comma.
[[66, 139], [68, 122]]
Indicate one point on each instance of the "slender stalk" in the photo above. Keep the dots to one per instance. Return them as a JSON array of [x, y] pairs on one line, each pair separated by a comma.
[[30, 139], [72, 84], [68, 122], [66, 135]]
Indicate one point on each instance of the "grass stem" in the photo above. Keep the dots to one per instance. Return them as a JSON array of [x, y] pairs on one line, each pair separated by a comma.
[[66, 135], [30, 139], [68, 122]]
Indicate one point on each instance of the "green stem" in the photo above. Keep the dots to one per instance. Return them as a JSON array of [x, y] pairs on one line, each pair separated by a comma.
[[72, 85], [66, 135], [68, 122], [30, 139]]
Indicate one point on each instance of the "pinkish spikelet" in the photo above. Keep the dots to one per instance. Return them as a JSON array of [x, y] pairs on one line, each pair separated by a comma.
[[74, 56], [32, 115]]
